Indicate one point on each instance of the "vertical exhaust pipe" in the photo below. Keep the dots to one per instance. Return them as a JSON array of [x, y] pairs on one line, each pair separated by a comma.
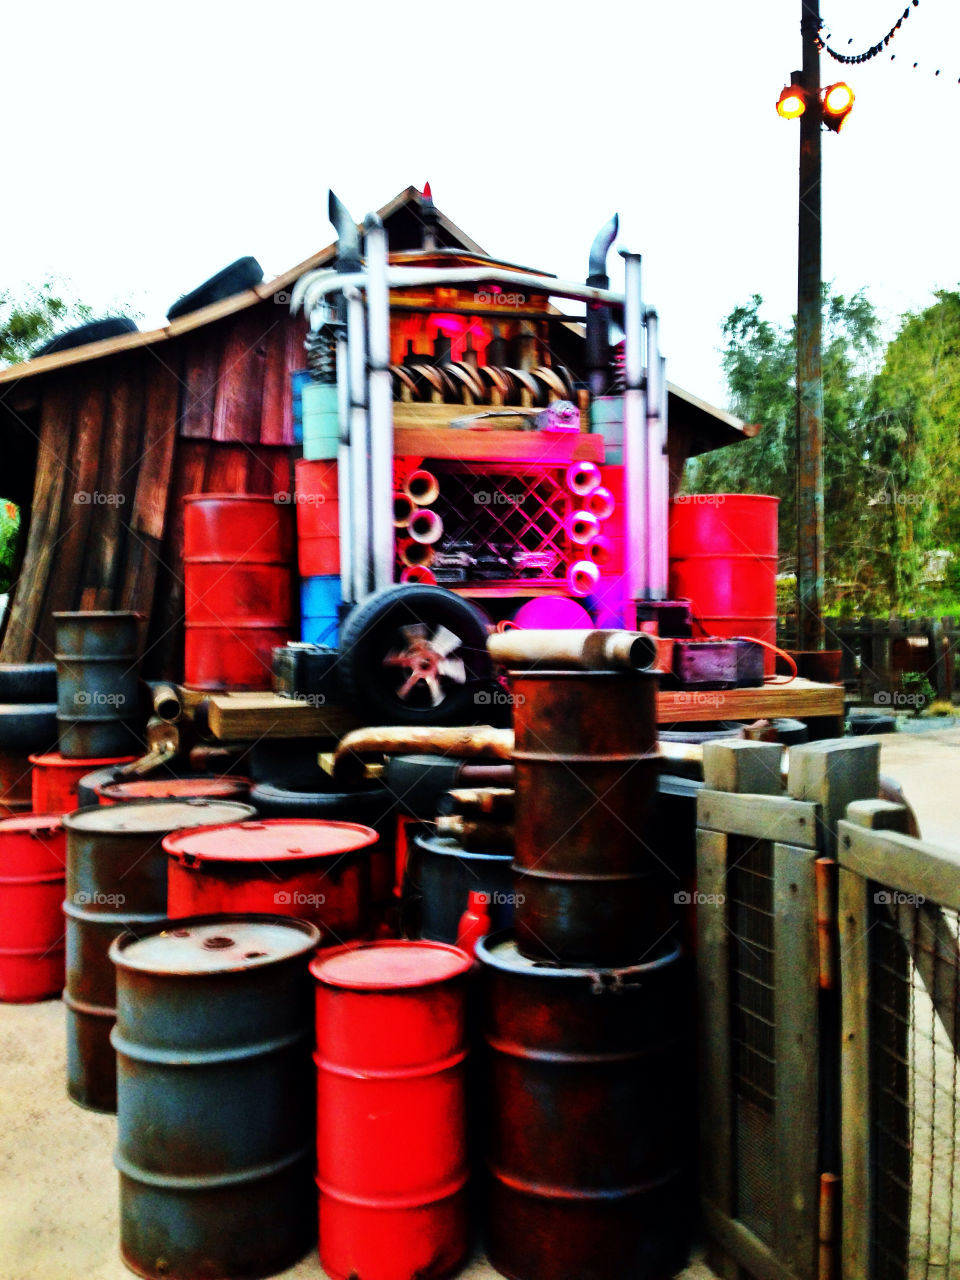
[[598, 315], [635, 454], [348, 259], [380, 421]]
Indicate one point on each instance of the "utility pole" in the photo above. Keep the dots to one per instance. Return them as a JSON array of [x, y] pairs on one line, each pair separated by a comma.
[[810, 530]]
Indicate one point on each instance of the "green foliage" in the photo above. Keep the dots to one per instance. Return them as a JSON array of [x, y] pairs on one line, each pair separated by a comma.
[[9, 528], [31, 318]]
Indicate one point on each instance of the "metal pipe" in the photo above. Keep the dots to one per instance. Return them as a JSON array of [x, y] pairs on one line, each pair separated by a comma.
[[167, 702], [582, 526], [380, 393], [359, 446], [422, 487], [582, 478], [582, 577], [418, 573], [416, 555], [600, 502], [474, 742], [425, 526], [634, 438], [598, 316], [657, 490], [478, 837], [588, 650], [348, 238], [490, 802], [403, 509], [345, 472]]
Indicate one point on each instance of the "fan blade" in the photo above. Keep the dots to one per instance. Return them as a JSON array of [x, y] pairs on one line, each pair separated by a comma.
[[453, 669], [436, 693], [444, 641], [414, 632]]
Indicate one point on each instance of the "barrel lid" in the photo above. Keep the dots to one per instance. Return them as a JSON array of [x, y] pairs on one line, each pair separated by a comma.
[[99, 613], [54, 760], [269, 839], [173, 788], [157, 817], [214, 944], [228, 497], [32, 822], [390, 964], [500, 951]]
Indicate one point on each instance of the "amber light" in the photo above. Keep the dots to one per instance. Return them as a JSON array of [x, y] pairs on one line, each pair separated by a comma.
[[790, 104], [837, 100]]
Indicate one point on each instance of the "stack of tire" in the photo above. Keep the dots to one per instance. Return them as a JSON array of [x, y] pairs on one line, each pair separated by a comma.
[[28, 725]]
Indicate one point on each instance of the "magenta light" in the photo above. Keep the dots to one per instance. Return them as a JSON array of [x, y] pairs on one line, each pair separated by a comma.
[[553, 613]]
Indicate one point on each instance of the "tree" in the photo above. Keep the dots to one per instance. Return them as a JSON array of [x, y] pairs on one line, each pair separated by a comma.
[[31, 318]]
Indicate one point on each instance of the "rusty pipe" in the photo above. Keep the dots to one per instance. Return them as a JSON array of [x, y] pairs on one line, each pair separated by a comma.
[[403, 509], [167, 703], [587, 650], [416, 555], [479, 837], [475, 742], [425, 526], [470, 802], [422, 487], [828, 1218], [825, 870]]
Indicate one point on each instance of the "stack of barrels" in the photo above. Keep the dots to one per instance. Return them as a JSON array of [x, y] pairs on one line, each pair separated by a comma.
[[318, 549], [581, 1003]]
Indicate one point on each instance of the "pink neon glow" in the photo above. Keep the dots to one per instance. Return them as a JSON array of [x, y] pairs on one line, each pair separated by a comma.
[[581, 477], [418, 573], [582, 526], [582, 577], [553, 613]]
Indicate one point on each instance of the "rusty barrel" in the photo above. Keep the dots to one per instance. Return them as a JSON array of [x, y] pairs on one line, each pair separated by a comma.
[[32, 873], [391, 1113], [438, 880], [214, 1096], [98, 697], [15, 785], [116, 881], [583, 1147], [306, 867], [209, 786], [587, 881], [55, 779], [238, 601]]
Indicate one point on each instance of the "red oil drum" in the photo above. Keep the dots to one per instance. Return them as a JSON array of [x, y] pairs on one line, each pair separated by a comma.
[[305, 867], [318, 518], [238, 550], [723, 558], [391, 1116], [33, 858], [55, 779], [225, 787]]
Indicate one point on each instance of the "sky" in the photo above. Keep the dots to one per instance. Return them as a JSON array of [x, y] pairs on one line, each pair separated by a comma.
[[147, 146]]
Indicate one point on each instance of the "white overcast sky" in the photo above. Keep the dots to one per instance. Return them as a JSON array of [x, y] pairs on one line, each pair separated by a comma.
[[145, 146]]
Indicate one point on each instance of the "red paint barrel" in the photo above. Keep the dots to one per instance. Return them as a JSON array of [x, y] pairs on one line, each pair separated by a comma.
[[305, 867], [55, 779], [238, 590], [224, 787], [33, 858], [723, 558], [391, 1116], [318, 518]]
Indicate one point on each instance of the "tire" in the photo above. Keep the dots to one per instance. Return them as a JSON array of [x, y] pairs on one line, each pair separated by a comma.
[[95, 331], [418, 782], [368, 806], [240, 275], [28, 726], [373, 630], [790, 732], [710, 731], [28, 682], [867, 722]]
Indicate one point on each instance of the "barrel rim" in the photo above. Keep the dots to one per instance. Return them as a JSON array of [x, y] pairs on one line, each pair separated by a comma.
[[173, 841], [221, 919], [100, 613], [487, 955], [383, 986], [114, 814], [32, 822], [231, 497], [54, 760], [110, 789], [456, 850], [556, 673]]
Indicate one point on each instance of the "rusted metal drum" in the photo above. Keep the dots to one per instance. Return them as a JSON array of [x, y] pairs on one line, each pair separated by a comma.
[[238, 552], [116, 880], [440, 875], [98, 697], [585, 713], [55, 779], [15, 789], [214, 1096], [33, 858], [319, 871], [391, 1116], [583, 1117], [224, 787]]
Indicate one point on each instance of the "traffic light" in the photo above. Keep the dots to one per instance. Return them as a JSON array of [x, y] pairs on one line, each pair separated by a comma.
[[791, 102], [836, 102]]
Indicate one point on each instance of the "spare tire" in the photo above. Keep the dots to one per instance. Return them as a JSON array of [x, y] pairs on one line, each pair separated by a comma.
[[414, 654], [864, 721], [28, 726], [93, 331], [28, 682], [368, 805], [239, 276]]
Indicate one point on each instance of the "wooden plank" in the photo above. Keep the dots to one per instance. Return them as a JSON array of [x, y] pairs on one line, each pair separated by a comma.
[[797, 1117], [275, 378], [236, 412], [742, 766], [239, 718], [857, 1186], [80, 355], [118, 477], [741, 1243], [832, 775], [228, 466], [22, 641], [759, 817], [713, 1022], [200, 373], [802, 698], [538, 448], [901, 863]]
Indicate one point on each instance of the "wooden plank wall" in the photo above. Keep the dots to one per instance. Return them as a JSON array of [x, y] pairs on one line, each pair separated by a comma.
[[122, 440]]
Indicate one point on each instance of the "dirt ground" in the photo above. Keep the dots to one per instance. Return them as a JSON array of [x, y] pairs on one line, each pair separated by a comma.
[[58, 1186]]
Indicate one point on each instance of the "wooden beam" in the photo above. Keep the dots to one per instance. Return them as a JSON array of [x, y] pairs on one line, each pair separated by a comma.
[[536, 448], [759, 817], [802, 698], [244, 716]]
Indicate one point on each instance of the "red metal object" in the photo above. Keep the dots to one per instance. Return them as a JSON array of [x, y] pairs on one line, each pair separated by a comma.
[[723, 558], [238, 550], [318, 518], [33, 856], [224, 787], [391, 1114], [319, 871], [54, 779]]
